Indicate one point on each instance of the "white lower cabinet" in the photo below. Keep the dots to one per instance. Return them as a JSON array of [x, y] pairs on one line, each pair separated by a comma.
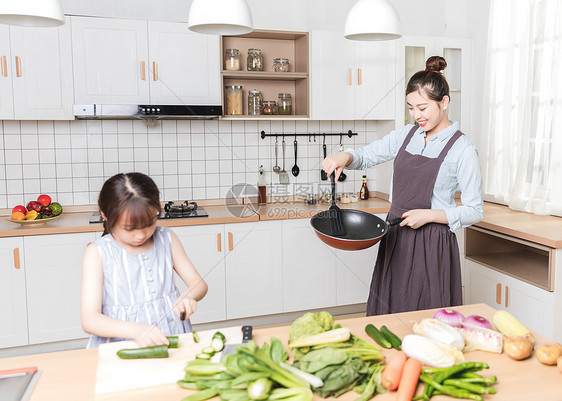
[[353, 275], [309, 268], [533, 306], [13, 313], [205, 247], [53, 272], [254, 269]]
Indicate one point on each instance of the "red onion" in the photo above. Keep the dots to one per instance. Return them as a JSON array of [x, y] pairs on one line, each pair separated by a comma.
[[477, 321], [450, 317]]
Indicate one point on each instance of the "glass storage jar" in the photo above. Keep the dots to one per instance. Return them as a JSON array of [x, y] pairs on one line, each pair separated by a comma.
[[254, 102], [255, 60], [281, 64], [269, 107], [233, 100], [232, 60], [285, 104]]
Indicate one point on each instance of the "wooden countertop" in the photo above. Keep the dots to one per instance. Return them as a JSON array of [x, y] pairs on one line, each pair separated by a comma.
[[544, 230], [71, 375]]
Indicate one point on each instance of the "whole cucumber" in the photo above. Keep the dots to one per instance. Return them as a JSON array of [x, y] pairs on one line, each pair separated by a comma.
[[377, 336], [392, 338], [157, 351]]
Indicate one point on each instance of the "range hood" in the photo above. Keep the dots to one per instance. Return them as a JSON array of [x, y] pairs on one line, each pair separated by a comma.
[[145, 111]]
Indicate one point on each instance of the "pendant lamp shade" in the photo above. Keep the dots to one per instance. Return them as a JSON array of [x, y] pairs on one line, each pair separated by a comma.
[[220, 17], [372, 20], [40, 13]]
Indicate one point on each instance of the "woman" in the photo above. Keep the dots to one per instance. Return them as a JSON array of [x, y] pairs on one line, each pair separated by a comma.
[[418, 264]]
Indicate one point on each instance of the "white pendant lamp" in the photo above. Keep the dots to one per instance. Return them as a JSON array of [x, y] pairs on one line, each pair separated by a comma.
[[40, 13], [372, 20], [220, 17]]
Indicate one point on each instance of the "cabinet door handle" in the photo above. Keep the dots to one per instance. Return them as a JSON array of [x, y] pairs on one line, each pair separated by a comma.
[[359, 76], [506, 303], [154, 71], [230, 242], [17, 258], [4, 67], [350, 77], [143, 71], [18, 67], [219, 242], [499, 294]]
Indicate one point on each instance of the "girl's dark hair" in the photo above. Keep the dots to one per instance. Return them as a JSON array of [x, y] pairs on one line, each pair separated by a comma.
[[133, 193], [431, 81]]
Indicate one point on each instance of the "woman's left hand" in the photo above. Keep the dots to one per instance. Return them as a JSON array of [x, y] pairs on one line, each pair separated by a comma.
[[185, 307], [416, 218]]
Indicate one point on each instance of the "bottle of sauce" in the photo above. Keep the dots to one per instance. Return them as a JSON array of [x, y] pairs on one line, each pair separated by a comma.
[[364, 193], [262, 189]]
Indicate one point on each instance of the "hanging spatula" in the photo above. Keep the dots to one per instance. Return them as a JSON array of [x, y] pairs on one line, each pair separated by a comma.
[[283, 175]]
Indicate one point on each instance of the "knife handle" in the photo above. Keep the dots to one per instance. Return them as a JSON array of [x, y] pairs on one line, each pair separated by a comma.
[[246, 333]]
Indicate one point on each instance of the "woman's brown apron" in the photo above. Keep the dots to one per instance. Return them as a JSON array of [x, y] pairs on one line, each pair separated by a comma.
[[415, 268]]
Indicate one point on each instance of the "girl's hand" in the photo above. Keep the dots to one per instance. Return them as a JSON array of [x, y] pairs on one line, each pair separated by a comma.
[[416, 218], [185, 307], [148, 335], [336, 162]]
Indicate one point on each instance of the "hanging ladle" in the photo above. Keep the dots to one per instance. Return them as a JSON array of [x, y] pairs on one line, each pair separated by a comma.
[[295, 170], [276, 168]]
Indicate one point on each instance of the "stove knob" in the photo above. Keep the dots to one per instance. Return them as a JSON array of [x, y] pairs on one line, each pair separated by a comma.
[[143, 110], [153, 109], [158, 110]]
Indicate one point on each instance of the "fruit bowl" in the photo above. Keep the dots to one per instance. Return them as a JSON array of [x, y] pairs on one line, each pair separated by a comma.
[[29, 223]]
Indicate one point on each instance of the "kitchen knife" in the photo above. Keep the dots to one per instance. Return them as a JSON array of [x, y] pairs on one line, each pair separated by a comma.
[[231, 348]]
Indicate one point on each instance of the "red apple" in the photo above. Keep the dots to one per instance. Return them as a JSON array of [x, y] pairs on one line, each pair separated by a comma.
[[19, 208], [45, 200]]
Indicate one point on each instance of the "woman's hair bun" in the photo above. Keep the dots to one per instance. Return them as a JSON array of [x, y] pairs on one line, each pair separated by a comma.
[[435, 63]]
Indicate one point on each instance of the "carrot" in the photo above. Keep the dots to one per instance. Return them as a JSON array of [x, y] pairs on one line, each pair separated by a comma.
[[392, 373], [409, 381]]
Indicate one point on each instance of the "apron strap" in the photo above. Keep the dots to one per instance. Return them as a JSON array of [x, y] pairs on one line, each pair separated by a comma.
[[450, 144], [408, 137]]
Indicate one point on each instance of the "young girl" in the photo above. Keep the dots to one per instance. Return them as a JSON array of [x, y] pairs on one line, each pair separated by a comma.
[[418, 264], [128, 286]]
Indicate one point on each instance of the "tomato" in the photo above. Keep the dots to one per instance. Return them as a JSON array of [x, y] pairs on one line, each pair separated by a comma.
[[45, 200], [19, 208]]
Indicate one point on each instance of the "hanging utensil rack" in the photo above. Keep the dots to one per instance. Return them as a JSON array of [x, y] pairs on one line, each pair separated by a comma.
[[309, 134]]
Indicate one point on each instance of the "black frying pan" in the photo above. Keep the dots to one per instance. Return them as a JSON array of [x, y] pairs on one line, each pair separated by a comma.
[[362, 229]]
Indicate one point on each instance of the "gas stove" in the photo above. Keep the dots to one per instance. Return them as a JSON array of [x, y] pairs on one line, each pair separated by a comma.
[[171, 210]]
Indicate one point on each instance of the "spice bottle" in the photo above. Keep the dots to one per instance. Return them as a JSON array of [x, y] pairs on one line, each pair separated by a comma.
[[233, 99], [281, 64], [364, 193], [269, 107], [255, 60], [232, 60], [285, 104], [254, 102]]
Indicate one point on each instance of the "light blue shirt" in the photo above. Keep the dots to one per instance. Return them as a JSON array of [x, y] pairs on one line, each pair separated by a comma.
[[460, 169]]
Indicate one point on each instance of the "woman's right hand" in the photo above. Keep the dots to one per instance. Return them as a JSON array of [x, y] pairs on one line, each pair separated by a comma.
[[336, 162], [146, 335]]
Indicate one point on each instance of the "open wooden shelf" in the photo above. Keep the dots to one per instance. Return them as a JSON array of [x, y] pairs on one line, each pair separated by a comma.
[[523, 260]]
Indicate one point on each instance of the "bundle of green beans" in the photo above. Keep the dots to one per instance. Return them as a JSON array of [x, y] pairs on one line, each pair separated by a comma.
[[458, 381]]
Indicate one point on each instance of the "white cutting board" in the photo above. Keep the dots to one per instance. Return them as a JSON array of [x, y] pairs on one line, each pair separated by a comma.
[[116, 374]]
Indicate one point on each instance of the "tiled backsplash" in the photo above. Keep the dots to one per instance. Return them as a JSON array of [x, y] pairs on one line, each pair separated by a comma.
[[188, 159]]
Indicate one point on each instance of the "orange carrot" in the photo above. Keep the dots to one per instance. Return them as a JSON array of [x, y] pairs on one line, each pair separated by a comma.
[[392, 373], [409, 381]]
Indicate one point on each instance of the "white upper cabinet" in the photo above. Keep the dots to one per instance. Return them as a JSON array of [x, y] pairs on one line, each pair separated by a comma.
[[135, 62], [36, 73], [110, 61], [351, 80], [184, 66]]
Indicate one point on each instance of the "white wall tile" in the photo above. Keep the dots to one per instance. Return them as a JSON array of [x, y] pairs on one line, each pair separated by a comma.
[[14, 171], [31, 171], [11, 127], [13, 157], [155, 154]]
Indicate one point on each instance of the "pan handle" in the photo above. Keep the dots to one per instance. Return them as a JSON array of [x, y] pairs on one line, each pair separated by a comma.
[[395, 220]]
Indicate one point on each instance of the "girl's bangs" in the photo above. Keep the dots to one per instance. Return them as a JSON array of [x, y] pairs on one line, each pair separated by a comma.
[[140, 215]]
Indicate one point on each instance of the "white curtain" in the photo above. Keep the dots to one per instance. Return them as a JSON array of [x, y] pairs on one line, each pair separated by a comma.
[[521, 145]]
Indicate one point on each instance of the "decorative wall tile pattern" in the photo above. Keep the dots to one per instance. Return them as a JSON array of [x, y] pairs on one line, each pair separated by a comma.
[[188, 159]]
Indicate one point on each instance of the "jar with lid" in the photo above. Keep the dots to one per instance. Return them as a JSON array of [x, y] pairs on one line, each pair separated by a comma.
[[255, 60], [285, 104], [269, 107], [281, 64], [232, 59], [233, 99], [254, 102]]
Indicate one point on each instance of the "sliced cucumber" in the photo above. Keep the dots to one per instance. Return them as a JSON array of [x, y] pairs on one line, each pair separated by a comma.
[[218, 334], [195, 336], [203, 356], [208, 350], [217, 344]]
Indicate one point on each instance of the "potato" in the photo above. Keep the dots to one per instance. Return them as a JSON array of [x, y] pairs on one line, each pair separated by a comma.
[[559, 363], [548, 354], [517, 347]]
